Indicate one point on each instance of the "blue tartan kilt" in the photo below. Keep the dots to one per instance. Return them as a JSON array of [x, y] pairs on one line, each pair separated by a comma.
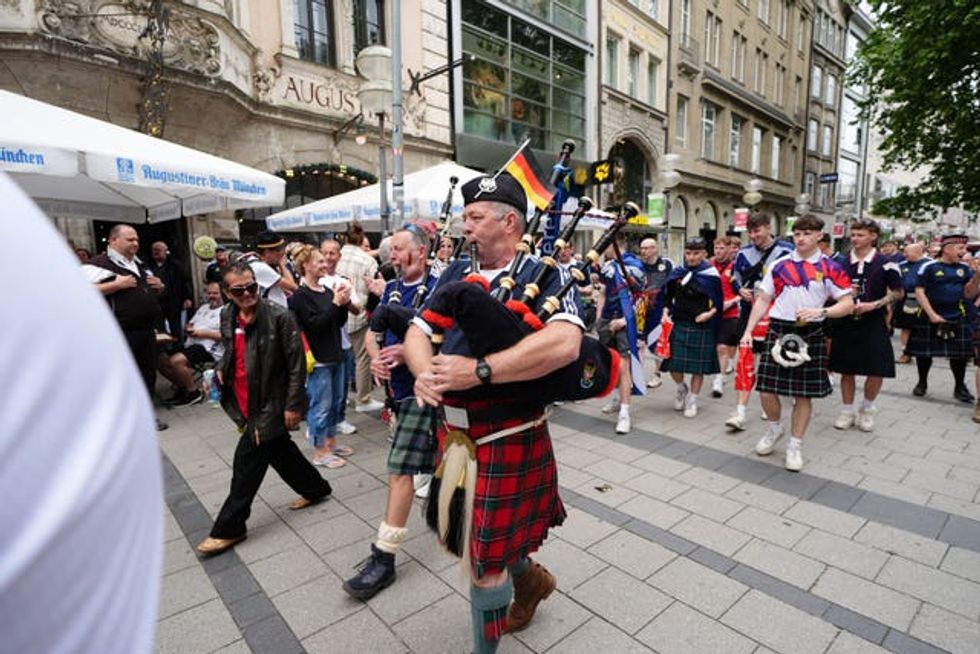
[[692, 349], [925, 340], [808, 380]]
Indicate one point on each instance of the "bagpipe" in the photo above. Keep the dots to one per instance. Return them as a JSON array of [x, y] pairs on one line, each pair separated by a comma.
[[488, 326], [526, 244]]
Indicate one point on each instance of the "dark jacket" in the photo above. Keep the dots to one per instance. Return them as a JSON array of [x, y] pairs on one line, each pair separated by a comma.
[[176, 286], [135, 308], [321, 320], [275, 366]]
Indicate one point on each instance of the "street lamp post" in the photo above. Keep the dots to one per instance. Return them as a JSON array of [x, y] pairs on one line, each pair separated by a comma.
[[374, 63], [669, 179], [752, 195]]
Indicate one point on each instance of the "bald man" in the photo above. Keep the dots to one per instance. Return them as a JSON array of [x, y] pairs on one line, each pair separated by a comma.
[[906, 311]]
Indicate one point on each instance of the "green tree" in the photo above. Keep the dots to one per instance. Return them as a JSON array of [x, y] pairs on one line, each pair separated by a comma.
[[921, 65]]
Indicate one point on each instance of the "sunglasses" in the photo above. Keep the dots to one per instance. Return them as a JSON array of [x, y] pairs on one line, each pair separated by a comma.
[[239, 291]]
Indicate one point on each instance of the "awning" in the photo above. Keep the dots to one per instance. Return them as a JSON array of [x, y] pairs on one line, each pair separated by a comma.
[[74, 165]]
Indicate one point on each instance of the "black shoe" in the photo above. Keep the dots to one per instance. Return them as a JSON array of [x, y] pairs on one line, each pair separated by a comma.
[[187, 398], [919, 390], [377, 573], [963, 395]]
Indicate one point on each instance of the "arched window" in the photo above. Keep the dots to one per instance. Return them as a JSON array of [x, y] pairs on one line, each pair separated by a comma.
[[636, 170]]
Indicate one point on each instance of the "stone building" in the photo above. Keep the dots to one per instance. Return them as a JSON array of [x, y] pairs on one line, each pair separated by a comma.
[[270, 84], [633, 104], [737, 105], [823, 119]]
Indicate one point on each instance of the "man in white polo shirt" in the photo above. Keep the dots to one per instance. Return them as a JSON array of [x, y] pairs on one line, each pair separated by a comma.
[[794, 358], [276, 283]]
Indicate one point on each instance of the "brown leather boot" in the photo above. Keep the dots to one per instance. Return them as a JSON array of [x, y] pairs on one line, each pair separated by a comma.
[[976, 412], [530, 588]]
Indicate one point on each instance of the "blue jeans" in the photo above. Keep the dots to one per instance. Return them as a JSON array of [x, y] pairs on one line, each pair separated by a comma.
[[325, 392], [349, 365]]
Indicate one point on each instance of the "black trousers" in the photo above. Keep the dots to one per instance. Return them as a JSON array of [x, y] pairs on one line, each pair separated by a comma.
[[248, 470], [143, 345]]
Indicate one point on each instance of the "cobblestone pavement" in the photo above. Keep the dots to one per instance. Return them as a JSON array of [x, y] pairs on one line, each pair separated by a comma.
[[679, 539]]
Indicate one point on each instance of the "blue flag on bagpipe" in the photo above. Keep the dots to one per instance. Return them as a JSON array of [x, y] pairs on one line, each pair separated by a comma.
[[553, 228], [625, 297]]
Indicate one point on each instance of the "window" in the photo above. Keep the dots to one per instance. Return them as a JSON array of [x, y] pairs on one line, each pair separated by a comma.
[[712, 39], [797, 93], [847, 177], [811, 135], [519, 81], [757, 71], [685, 22], [783, 20], [809, 183], [735, 141], [765, 74], [828, 141], [633, 74], [764, 11], [777, 150], [831, 96], [852, 130], [826, 195], [740, 46], [682, 103], [369, 24], [816, 82], [653, 71], [612, 61], [709, 114], [778, 85], [649, 7], [313, 31], [756, 149], [801, 33], [566, 14]]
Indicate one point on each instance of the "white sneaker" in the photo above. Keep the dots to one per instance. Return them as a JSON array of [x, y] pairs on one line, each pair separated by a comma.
[[794, 459], [736, 421], [844, 421], [866, 420], [369, 406], [612, 406], [767, 443], [680, 397], [718, 386], [690, 406], [730, 368], [623, 425], [346, 428], [656, 381]]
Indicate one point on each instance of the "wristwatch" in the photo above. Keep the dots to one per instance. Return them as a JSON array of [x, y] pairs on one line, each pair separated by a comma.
[[483, 371]]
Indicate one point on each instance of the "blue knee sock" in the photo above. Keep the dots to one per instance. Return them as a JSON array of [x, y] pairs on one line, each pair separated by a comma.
[[489, 611]]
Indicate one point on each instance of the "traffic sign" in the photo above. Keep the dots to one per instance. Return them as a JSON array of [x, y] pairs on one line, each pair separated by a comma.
[[828, 178]]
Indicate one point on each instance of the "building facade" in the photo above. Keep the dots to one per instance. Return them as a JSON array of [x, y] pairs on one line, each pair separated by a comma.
[[529, 73], [823, 120], [853, 132], [633, 99], [268, 84], [737, 109]]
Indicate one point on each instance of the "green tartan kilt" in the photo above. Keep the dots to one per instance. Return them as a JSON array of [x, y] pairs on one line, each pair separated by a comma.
[[414, 446], [692, 349]]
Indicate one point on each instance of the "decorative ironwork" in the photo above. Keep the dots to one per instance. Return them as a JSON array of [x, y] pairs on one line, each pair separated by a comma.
[[154, 89]]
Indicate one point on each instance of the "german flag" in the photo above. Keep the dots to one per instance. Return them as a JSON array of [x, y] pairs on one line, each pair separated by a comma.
[[525, 169]]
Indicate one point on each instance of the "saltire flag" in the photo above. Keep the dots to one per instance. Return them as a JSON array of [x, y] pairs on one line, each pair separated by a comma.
[[553, 228], [525, 169], [637, 374]]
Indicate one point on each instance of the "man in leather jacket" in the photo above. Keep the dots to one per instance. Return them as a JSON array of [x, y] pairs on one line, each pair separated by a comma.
[[262, 373]]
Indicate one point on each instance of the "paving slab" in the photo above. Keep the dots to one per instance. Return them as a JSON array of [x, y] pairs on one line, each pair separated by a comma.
[[782, 628], [698, 586], [681, 630]]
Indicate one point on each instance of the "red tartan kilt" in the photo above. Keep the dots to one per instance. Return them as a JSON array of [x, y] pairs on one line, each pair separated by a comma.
[[516, 499]]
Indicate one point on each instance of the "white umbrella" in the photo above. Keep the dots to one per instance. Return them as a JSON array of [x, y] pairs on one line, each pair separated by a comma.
[[74, 165], [425, 193]]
